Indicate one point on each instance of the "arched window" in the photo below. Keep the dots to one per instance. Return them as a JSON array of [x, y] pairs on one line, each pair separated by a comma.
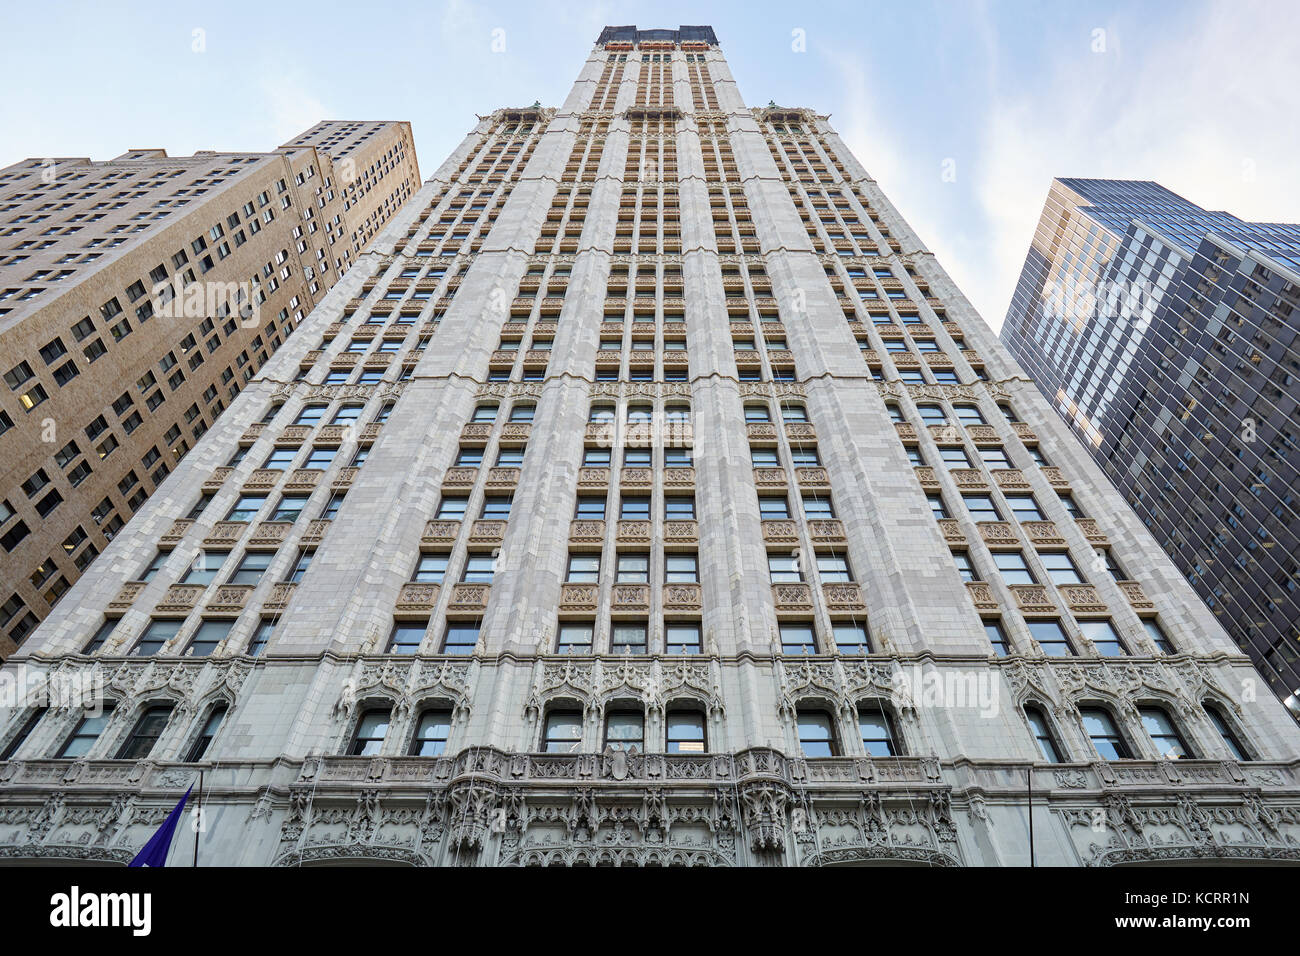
[[677, 413], [86, 733], [1105, 736], [879, 739], [817, 734], [757, 413], [1230, 739], [431, 733], [1163, 732], [640, 413], [563, 732], [1043, 734], [522, 413], [686, 733], [794, 413], [144, 735], [371, 730], [969, 415], [485, 413], [601, 413], [310, 415], [625, 729], [208, 731], [932, 414], [24, 732]]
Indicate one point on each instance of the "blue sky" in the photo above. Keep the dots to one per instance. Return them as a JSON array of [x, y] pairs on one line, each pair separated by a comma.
[[1200, 96]]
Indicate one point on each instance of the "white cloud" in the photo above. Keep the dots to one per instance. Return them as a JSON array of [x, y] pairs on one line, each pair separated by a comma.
[[292, 109], [1206, 110]]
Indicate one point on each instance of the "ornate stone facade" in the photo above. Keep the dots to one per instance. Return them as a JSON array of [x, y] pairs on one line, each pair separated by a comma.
[[623, 553]]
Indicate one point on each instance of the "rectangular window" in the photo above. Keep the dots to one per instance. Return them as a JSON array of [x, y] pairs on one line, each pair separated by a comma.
[[251, 568], [583, 568], [208, 636], [1012, 566], [289, 508], [628, 639], [407, 636], [460, 639], [797, 639], [682, 639], [574, 639], [634, 509], [496, 507], [1060, 568], [679, 508], [452, 509], [431, 568], [84, 736], [246, 508], [681, 568], [158, 633]]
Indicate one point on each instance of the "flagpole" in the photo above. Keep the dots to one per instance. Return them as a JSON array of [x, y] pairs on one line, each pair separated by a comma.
[[198, 822]]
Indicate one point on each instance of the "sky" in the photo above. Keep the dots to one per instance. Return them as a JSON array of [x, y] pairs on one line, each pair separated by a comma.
[[963, 111]]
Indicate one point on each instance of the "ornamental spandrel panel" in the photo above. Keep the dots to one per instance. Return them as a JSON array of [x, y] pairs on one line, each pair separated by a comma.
[[587, 532], [219, 475], [487, 531], [1042, 533], [293, 435], [440, 532], [1092, 531], [843, 596], [229, 599], [792, 597], [951, 530], [281, 594], [928, 478], [343, 480], [634, 532], [126, 596], [263, 479], [459, 478], [998, 533], [969, 479], [983, 596], [1056, 478], [630, 598], [780, 531], [180, 598], [682, 597], [1136, 595], [681, 533], [304, 479], [469, 597], [177, 531], [642, 478], [225, 533], [1010, 479], [417, 597], [270, 533], [579, 597], [679, 478], [1032, 598], [1082, 598]]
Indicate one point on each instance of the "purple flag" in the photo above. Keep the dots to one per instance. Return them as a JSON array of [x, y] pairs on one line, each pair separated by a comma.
[[154, 853]]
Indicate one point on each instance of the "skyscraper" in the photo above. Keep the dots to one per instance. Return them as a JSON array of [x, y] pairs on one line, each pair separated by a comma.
[[1166, 336], [647, 495], [137, 297]]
